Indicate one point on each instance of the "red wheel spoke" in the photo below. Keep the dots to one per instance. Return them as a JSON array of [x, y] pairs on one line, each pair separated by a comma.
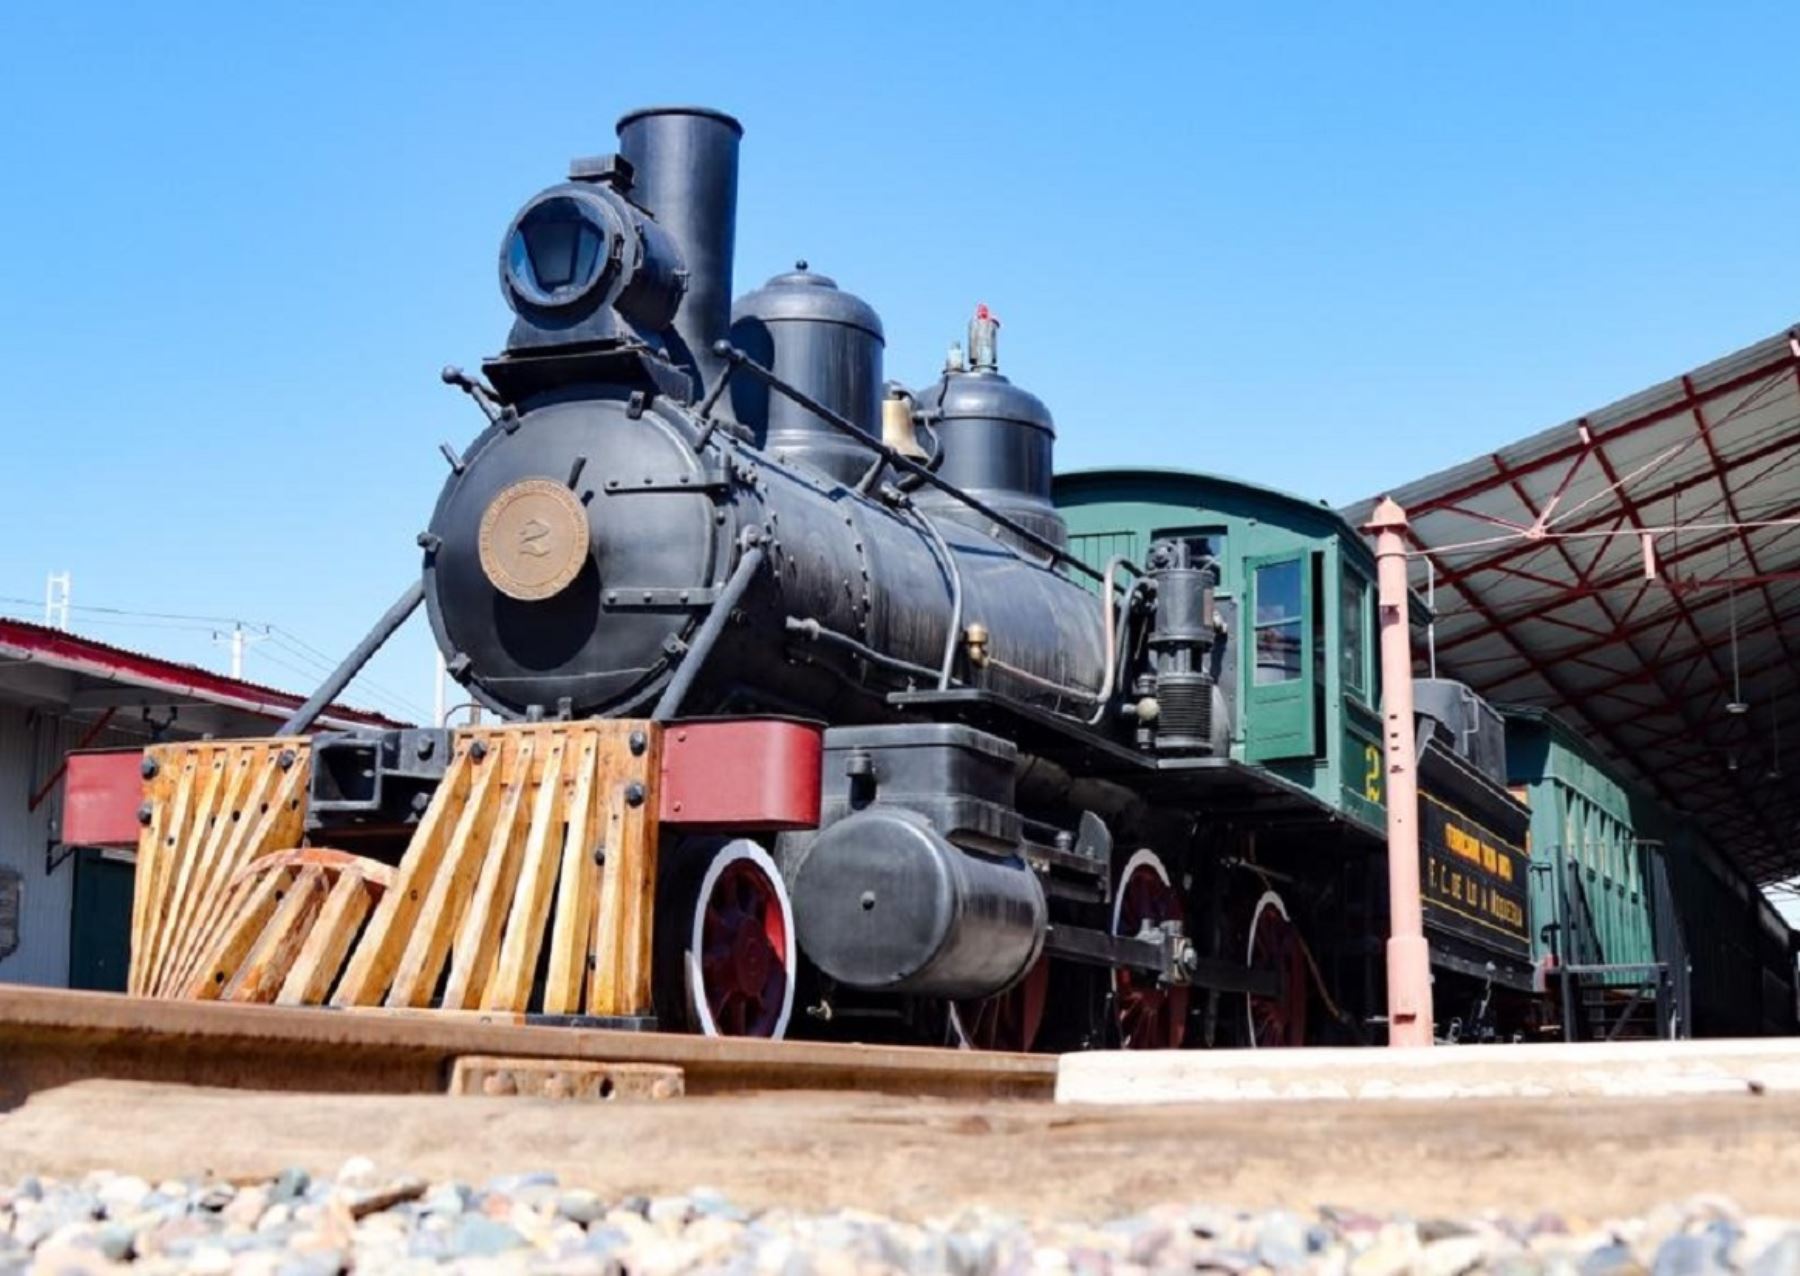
[[773, 986], [1149, 1015], [1008, 1020], [1276, 948]]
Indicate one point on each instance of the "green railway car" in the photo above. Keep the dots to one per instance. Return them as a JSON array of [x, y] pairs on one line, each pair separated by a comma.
[[1629, 902], [1602, 928], [1593, 869]]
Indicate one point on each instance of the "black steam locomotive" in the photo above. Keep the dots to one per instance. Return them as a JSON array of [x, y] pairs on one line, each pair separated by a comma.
[[1031, 828]]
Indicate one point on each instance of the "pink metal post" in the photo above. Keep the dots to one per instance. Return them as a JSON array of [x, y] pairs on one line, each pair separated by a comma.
[[1408, 955]]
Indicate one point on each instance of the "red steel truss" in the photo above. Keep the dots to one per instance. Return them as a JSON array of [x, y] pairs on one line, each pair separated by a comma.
[[1601, 569]]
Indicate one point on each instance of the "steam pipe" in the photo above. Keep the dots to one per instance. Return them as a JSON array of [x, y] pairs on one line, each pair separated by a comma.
[[807, 627], [1115, 633], [300, 722], [669, 704], [952, 636]]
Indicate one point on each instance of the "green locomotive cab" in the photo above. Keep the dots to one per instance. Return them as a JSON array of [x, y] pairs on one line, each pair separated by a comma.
[[1296, 594]]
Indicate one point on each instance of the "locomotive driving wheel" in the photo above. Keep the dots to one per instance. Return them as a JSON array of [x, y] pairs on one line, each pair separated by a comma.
[[728, 960], [1275, 946], [1008, 1020], [1150, 1015]]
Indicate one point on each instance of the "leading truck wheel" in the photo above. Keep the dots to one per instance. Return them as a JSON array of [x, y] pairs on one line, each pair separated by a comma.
[[729, 958], [1150, 1015], [1275, 946]]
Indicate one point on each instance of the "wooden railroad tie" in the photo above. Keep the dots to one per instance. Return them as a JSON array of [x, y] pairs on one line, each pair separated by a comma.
[[536, 857], [492, 1076]]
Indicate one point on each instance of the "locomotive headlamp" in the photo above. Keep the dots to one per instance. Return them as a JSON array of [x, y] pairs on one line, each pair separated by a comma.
[[581, 258], [558, 250]]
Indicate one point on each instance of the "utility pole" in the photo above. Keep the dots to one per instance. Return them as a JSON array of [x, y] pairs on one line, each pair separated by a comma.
[[57, 588], [439, 673], [1408, 955], [238, 640]]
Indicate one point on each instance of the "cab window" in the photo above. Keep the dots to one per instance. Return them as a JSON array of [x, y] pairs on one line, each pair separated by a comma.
[[1279, 617], [1353, 610]]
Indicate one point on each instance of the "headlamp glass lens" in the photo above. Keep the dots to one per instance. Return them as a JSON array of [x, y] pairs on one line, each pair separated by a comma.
[[555, 254]]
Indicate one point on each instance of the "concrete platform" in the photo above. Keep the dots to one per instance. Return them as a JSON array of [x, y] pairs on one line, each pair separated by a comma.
[[1612, 1070]]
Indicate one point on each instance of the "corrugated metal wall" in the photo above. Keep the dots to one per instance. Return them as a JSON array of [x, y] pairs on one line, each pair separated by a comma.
[[31, 747]]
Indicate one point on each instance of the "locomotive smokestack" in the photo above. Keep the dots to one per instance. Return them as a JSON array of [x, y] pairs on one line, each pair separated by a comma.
[[685, 162]]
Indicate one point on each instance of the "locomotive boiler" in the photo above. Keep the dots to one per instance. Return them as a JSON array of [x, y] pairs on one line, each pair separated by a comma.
[[618, 499]]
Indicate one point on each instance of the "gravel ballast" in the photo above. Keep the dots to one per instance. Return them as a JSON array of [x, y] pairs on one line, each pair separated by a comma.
[[370, 1219]]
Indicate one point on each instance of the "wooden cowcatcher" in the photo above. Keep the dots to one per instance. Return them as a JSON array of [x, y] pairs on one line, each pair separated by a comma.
[[526, 887]]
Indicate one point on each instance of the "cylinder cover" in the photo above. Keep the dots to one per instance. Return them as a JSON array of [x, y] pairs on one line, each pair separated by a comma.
[[884, 902]]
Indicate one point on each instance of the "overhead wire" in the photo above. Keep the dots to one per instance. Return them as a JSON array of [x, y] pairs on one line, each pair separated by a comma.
[[1546, 529], [390, 703], [191, 622], [127, 611], [1656, 462], [290, 642]]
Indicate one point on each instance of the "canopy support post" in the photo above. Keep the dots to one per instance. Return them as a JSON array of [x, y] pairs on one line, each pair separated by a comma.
[[1410, 1020]]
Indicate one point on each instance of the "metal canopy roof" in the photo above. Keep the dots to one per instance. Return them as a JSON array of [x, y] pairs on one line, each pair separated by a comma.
[[1601, 568]]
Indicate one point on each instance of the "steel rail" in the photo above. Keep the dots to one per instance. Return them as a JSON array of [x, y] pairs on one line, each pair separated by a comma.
[[51, 1037]]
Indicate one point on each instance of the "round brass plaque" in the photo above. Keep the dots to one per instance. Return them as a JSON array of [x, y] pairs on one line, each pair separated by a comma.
[[534, 539]]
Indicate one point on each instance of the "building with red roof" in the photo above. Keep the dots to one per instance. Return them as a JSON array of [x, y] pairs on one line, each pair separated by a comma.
[[65, 910]]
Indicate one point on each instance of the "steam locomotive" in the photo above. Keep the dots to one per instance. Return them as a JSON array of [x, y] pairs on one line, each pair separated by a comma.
[[1037, 823], [680, 507]]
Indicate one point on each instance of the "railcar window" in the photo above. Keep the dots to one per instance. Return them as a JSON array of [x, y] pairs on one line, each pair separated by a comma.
[[1354, 605], [1277, 624]]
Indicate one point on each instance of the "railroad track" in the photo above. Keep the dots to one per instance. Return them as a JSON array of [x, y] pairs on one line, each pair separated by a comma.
[[50, 1038]]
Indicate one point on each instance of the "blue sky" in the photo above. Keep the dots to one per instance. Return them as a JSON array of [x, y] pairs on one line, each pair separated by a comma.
[[1325, 247]]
